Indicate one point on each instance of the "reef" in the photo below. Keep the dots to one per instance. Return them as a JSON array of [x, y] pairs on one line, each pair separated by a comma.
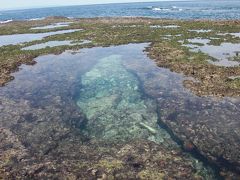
[[125, 120], [34, 145], [168, 38], [208, 79], [205, 125]]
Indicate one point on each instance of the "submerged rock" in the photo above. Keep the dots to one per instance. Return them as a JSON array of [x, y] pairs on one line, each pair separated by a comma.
[[114, 105], [47, 148], [150, 129]]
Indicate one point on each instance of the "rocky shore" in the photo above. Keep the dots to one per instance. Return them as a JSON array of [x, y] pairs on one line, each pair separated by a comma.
[[46, 137], [166, 48]]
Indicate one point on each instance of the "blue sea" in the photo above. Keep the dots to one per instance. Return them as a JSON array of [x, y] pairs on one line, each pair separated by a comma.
[[206, 9]]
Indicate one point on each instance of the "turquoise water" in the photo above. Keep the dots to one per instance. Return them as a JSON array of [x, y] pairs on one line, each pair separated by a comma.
[[113, 102]]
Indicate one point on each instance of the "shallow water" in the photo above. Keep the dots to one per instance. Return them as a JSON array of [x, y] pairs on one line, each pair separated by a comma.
[[54, 44], [22, 38], [110, 96], [224, 54], [55, 25], [123, 95], [113, 102]]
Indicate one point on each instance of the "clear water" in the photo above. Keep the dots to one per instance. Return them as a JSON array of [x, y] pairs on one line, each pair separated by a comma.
[[22, 38], [54, 44], [175, 10], [123, 95], [113, 102]]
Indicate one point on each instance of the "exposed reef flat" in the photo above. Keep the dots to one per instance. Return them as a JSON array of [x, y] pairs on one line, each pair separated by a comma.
[[165, 49], [208, 126]]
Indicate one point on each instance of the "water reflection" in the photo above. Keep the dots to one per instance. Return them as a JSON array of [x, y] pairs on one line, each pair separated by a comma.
[[21, 38], [225, 54]]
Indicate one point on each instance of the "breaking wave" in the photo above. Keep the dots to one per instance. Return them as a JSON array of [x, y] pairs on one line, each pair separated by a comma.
[[36, 19], [155, 8], [6, 21]]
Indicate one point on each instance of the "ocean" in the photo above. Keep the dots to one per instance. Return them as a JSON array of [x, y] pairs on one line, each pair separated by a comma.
[[214, 9]]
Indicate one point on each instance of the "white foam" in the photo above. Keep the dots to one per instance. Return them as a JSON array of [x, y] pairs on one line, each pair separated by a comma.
[[7, 21], [36, 19], [156, 9], [173, 8]]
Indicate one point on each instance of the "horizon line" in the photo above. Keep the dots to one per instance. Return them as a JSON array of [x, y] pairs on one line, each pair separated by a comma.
[[55, 6]]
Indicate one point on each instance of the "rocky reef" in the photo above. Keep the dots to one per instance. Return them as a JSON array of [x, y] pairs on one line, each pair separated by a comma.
[[110, 112], [207, 125], [40, 145], [47, 134]]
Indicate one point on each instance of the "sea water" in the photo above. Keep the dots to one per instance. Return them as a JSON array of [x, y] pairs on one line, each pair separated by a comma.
[[200, 9]]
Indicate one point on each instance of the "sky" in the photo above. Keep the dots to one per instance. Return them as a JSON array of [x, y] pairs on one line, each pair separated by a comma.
[[21, 4]]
